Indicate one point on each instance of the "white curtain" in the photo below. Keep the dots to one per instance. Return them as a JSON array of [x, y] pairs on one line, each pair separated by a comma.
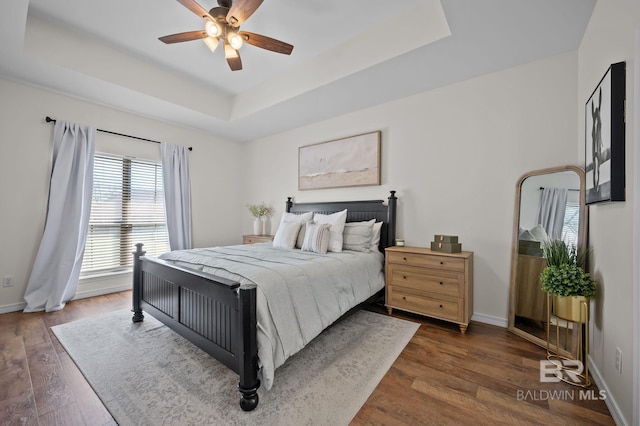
[[55, 273], [177, 194], [552, 208]]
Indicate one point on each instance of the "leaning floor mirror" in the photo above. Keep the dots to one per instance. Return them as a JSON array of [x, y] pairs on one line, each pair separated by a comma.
[[549, 204]]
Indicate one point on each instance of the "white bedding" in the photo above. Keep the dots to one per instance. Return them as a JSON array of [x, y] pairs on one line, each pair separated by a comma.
[[299, 293]]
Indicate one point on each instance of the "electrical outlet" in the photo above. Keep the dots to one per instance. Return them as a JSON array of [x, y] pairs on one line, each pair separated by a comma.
[[7, 282], [619, 360]]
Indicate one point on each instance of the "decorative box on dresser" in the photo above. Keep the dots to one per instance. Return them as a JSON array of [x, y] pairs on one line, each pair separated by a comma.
[[430, 283], [252, 239]]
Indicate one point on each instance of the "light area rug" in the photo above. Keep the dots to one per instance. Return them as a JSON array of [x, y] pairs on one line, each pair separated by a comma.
[[146, 374]]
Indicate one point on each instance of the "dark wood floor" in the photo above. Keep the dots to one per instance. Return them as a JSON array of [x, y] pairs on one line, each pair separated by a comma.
[[487, 376]]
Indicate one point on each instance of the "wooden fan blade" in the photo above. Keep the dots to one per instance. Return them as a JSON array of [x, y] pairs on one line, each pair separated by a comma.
[[233, 57], [267, 43], [235, 63], [241, 10], [180, 37], [196, 8]]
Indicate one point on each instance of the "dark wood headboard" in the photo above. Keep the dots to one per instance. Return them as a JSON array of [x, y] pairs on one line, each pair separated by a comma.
[[358, 211]]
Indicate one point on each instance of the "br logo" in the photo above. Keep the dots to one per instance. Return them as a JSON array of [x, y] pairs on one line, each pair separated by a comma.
[[555, 371]]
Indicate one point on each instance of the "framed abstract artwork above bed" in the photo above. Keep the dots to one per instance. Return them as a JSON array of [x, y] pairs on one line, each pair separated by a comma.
[[350, 161]]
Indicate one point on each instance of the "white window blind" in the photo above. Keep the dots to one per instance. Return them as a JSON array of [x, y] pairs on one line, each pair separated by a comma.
[[571, 224], [127, 208]]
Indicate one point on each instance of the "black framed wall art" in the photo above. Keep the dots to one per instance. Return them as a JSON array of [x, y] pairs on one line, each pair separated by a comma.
[[605, 138]]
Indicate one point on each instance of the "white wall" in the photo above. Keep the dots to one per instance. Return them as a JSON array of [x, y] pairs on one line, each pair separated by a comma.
[[453, 155], [25, 166], [610, 38]]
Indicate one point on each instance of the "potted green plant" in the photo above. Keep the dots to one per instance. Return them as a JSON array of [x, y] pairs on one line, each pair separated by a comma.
[[260, 212], [565, 279]]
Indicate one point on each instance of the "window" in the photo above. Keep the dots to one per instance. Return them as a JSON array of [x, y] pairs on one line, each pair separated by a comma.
[[571, 224], [127, 208]]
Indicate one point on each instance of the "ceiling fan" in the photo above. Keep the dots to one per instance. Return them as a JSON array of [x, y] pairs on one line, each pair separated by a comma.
[[221, 26]]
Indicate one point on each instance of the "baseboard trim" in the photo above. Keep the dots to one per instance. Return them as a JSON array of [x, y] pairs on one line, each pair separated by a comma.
[[15, 307], [490, 319], [102, 291], [612, 405]]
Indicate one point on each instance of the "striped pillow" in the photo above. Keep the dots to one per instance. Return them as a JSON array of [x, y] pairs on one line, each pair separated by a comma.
[[316, 237]]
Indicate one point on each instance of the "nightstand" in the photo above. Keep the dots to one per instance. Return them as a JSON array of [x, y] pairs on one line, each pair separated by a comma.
[[431, 283], [252, 239]]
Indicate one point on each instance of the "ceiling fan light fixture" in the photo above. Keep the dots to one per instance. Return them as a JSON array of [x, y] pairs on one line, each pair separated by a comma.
[[222, 25], [234, 39], [212, 29], [211, 43]]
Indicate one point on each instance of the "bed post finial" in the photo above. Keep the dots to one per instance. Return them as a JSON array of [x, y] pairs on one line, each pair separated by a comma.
[[289, 204], [137, 283]]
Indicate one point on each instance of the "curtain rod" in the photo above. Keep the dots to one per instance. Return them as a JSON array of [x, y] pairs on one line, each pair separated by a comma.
[[568, 189], [50, 120]]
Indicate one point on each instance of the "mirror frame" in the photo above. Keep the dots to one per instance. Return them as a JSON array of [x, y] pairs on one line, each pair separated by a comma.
[[582, 240]]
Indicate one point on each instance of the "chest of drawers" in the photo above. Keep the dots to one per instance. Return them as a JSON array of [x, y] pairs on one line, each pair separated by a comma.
[[430, 283]]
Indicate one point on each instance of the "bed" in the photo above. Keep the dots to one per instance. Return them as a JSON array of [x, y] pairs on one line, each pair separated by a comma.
[[224, 314]]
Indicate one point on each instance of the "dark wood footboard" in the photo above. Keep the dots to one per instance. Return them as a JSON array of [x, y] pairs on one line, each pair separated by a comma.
[[215, 314]]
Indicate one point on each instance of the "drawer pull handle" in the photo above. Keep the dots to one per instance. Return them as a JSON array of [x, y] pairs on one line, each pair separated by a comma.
[[441, 262], [404, 258], [441, 283], [404, 277], [441, 306], [404, 297]]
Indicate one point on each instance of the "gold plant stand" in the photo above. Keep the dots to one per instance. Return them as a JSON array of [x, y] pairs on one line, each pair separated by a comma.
[[578, 315]]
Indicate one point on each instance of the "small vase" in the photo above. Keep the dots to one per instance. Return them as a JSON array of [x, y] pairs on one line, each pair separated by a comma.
[[257, 226]]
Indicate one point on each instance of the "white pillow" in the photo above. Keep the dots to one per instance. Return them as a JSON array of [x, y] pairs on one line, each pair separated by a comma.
[[539, 234], [316, 238], [526, 235], [286, 235], [337, 221], [375, 239], [291, 217], [357, 235]]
